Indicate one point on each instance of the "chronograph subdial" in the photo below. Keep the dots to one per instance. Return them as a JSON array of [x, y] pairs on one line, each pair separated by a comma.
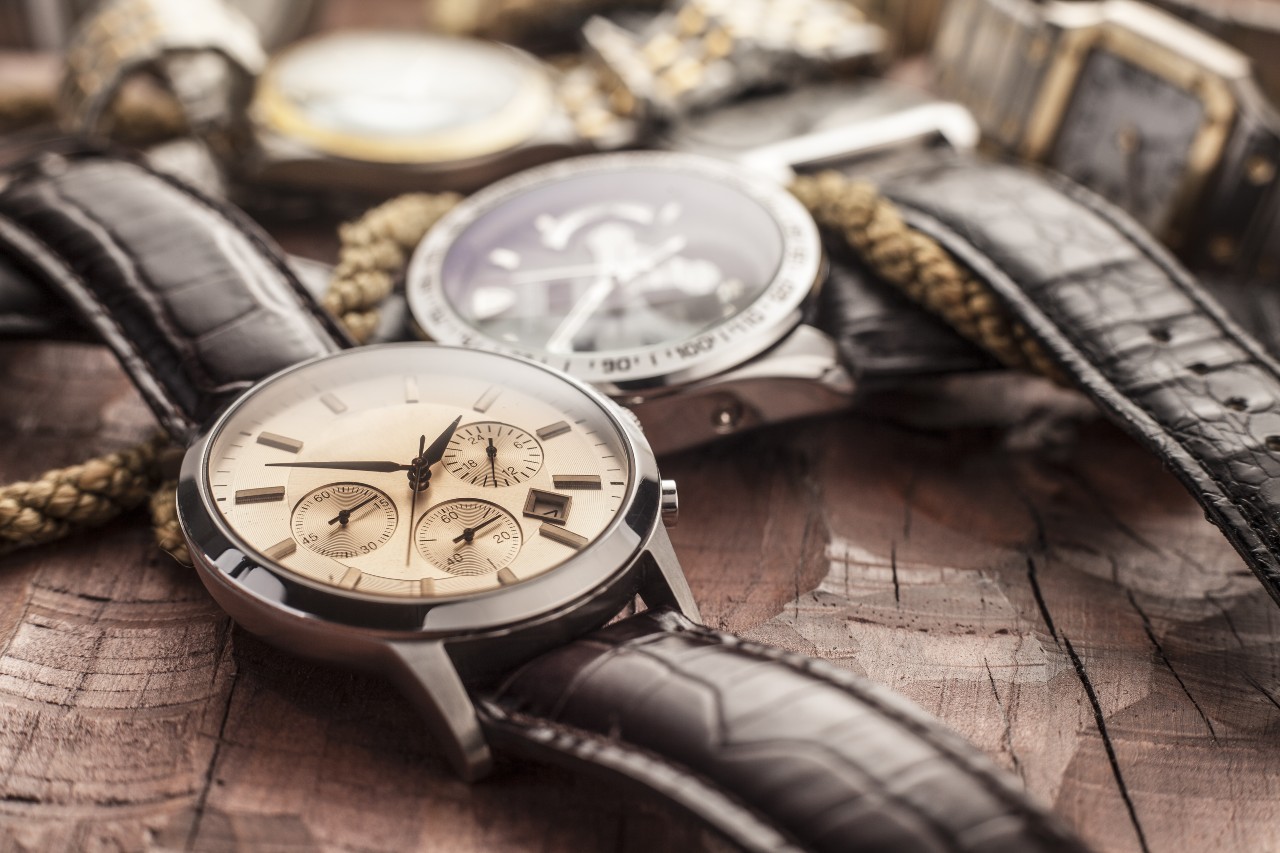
[[468, 537], [493, 454], [344, 520]]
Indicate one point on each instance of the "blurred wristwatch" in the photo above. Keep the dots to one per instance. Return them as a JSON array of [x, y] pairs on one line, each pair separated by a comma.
[[693, 290], [376, 112], [1156, 115]]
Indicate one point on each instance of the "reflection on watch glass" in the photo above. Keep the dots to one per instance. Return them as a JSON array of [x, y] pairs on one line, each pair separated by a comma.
[[1127, 135], [612, 261]]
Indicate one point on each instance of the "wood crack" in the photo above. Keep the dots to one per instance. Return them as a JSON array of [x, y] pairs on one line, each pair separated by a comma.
[[1101, 724], [1039, 596], [1008, 724], [1151, 635], [202, 799]]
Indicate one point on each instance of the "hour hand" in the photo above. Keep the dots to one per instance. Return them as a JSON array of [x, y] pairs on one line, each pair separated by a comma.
[[376, 467]]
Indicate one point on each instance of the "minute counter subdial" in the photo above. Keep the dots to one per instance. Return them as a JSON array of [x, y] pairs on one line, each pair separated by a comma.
[[493, 454], [468, 537], [344, 520]]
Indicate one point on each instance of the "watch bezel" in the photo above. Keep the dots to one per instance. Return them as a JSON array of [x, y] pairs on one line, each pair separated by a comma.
[[525, 114], [273, 600], [1165, 47], [737, 339]]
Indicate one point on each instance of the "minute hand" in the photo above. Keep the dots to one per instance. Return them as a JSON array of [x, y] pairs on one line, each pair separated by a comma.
[[377, 467]]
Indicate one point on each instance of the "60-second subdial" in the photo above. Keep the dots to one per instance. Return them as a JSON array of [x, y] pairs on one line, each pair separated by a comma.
[[344, 520], [468, 537], [493, 454]]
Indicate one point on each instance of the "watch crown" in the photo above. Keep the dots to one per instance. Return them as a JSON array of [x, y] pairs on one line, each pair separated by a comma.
[[670, 503]]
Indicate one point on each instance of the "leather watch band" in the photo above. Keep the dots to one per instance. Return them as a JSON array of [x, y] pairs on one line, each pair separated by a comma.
[[1127, 323], [776, 751], [883, 338], [193, 297]]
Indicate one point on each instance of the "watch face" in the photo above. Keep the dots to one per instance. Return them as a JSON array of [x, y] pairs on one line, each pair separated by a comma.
[[403, 96], [620, 267], [519, 471], [1128, 135]]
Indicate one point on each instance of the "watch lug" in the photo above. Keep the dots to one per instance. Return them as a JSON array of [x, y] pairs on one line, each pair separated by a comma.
[[798, 377], [666, 585], [428, 677]]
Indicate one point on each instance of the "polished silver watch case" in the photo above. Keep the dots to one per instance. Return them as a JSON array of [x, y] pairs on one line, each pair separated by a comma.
[[436, 649]]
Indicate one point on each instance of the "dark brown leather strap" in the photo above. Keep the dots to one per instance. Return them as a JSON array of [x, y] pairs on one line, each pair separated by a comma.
[[774, 750], [1128, 324], [194, 299], [884, 338]]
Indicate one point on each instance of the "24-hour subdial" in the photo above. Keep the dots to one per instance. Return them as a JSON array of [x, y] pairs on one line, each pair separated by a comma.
[[468, 537], [493, 454], [344, 520]]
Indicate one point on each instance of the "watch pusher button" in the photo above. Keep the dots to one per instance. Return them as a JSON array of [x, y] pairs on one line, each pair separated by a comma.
[[670, 503]]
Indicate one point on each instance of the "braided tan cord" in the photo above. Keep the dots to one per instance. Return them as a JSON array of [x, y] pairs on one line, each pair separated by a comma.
[[139, 116], [374, 250], [64, 501], [164, 521], [872, 226]]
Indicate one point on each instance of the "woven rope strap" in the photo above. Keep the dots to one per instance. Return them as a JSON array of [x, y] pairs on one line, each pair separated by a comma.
[[874, 230]]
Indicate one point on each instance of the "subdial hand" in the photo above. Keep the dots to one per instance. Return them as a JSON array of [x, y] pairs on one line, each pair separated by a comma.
[[493, 466], [344, 515], [469, 533]]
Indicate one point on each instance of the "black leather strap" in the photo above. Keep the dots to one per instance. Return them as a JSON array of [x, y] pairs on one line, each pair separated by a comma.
[[884, 338], [194, 298], [776, 751], [1129, 324]]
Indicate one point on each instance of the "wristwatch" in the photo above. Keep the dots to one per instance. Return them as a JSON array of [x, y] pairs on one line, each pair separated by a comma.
[[376, 112], [1154, 114], [1116, 315], [483, 598], [689, 288]]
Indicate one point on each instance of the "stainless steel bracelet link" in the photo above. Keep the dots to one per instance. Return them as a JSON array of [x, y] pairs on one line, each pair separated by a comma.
[[1021, 66], [207, 52]]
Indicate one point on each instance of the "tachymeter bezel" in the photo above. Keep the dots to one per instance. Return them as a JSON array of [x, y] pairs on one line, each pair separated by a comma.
[[778, 308], [247, 583], [519, 121]]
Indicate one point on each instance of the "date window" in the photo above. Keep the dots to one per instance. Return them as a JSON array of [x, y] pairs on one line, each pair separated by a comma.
[[548, 506]]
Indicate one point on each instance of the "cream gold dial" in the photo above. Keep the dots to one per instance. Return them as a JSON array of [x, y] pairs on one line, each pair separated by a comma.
[[314, 471]]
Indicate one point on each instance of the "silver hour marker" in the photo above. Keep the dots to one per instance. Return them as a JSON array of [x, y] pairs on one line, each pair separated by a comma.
[[576, 481], [565, 537], [506, 577], [279, 442], [504, 258], [552, 430], [350, 579], [260, 496], [281, 549], [487, 398], [333, 403], [411, 389]]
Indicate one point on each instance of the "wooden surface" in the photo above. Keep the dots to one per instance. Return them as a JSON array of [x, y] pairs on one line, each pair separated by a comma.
[[1006, 560]]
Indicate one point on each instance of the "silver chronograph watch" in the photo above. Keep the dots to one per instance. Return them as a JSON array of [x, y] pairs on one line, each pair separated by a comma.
[[467, 524], [693, 290]]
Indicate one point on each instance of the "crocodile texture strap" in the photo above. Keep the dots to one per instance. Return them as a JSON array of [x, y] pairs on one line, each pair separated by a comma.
[[884, 338], [194, 299], [774, 750], [1128, 324]]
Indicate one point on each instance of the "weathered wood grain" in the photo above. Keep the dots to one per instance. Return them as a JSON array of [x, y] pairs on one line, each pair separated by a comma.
[[1029, 576]]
